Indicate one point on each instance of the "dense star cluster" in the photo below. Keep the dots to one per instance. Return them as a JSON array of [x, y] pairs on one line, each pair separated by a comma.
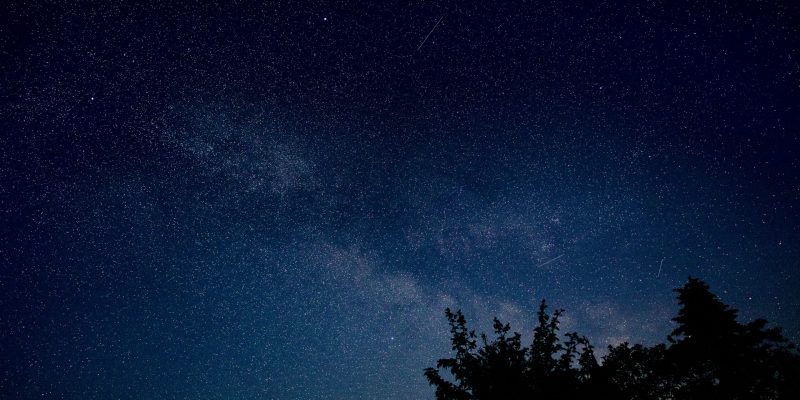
[[278, 200]]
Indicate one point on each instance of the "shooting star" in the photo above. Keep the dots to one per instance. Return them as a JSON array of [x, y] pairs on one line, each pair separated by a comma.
[[549, 261], [659, 267], [429, 33]]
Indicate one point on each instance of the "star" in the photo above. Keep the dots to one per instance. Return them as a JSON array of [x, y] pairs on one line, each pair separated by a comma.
[[281, 187]]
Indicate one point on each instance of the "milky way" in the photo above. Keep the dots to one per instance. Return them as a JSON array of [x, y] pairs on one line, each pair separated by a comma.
[[279, 200]]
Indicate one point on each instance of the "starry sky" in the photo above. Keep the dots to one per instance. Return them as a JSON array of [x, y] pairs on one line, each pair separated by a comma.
[[278, 200]]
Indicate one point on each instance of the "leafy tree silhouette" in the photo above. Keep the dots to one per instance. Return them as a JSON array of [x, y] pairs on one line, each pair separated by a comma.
[[503, 369], [709, 355], [635, 372]]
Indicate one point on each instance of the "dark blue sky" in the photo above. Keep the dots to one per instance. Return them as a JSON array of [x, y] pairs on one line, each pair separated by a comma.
[[277, 200]]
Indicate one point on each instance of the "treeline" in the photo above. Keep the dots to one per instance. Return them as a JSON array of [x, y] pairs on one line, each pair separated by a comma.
[[710, 355]]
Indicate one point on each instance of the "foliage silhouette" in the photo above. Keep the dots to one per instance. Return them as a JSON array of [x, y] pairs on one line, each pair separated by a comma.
[[504, 369], [709, 355], [715, 356]]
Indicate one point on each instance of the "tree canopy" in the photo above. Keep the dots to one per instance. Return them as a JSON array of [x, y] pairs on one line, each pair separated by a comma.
[[709, 355]]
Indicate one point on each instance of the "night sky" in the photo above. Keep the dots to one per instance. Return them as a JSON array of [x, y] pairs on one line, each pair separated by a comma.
[[278, 200]]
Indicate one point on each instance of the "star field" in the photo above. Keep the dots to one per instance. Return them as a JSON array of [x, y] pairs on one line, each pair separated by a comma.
[[278, 200]]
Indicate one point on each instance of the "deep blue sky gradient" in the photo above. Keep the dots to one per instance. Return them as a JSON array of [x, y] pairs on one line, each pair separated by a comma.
[[278, 199]]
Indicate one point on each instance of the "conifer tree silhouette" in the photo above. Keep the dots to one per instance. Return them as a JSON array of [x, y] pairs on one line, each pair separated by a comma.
[[715, 356]]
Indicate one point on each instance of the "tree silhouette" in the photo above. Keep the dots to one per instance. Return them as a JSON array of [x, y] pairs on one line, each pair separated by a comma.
[[636, 372], [503, 369], [709, 355], [715, 356]]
